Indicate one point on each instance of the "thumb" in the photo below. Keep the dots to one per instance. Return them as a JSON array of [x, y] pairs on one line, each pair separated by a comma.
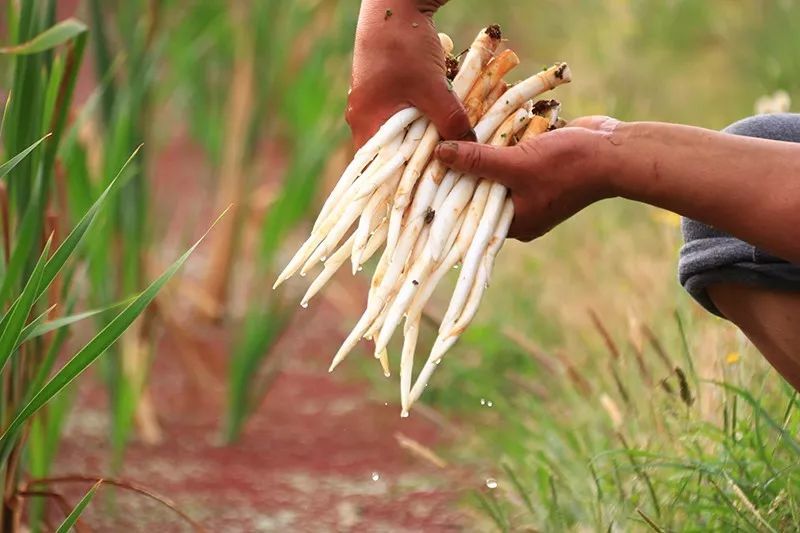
[[501, 164], [446, 112]]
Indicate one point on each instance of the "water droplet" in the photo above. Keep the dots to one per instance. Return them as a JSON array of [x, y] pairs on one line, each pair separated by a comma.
[[359, 269], [491, 483], [376, 476], [304, 305], [489, 403], [323, 258], [455, 267], [386, 403], [483, 402], [437, 361]]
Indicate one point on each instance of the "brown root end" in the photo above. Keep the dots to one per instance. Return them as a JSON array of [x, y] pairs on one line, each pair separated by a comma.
[[543, 106], [494, 32], [451, 67]]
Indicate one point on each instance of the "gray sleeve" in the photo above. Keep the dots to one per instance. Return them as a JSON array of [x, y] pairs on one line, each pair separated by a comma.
[[711, 256]]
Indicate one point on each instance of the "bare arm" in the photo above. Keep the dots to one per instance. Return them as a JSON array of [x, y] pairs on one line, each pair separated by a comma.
[[746, 186]]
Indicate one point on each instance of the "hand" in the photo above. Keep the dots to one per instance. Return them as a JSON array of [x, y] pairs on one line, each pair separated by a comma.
[[551, 177], [397, 63]]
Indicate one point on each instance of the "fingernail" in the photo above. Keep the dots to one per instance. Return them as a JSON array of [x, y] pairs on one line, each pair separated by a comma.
[[469, 136], [447, 151]]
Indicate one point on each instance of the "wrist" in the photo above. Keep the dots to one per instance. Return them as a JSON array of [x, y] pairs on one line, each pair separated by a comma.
[[615, 160]]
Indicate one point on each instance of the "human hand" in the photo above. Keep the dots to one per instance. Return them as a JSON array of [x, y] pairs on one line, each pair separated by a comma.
[[398, 62], [551, 177]]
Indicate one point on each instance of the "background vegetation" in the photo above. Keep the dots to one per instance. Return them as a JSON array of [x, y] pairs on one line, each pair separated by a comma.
[[594, 392]]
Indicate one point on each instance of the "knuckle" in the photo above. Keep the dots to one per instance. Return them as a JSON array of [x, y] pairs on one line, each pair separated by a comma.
[[474, 158]]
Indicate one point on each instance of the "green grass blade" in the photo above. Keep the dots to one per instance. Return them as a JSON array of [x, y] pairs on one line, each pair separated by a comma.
[[9, 165], [91, 351], [73, 516], [72, 240], [34, 323], [48, 39], [484, 504], [27, 235], [521, 492], [45, 366], [21, 309], [5, 112], [650, 522], [37, 327], [747, 397]]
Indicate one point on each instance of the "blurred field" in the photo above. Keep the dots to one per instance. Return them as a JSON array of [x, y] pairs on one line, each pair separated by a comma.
[[590, 393]]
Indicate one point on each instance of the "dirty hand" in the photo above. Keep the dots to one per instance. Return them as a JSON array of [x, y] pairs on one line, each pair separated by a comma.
[[397, 63], [551, 177]]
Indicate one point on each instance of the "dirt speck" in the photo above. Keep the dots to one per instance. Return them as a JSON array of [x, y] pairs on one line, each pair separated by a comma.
[[429, 215]]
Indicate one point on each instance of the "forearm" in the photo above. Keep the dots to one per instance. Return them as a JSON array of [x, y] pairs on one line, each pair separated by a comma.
[[746, 186]]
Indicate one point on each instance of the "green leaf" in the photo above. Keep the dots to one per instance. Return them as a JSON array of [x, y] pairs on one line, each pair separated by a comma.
[[95, 347], [9, 165], [64, 251], [27, 235], [50, 38], [19, 312], [73, 516], [35, 322], [37, 327]]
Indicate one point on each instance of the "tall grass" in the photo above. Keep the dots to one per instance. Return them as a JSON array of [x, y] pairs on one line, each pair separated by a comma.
[[125, 42], [41, 255]]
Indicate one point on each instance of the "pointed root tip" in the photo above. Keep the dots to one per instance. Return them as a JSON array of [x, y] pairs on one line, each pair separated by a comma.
[[278, 283], [334, 364], [384, 359], [404, 413]]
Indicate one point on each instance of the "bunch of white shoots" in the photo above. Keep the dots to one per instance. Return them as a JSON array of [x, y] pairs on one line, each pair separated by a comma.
[[428, 219]]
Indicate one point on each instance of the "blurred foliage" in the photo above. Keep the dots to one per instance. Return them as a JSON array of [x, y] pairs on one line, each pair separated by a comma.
[[702, 63]]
